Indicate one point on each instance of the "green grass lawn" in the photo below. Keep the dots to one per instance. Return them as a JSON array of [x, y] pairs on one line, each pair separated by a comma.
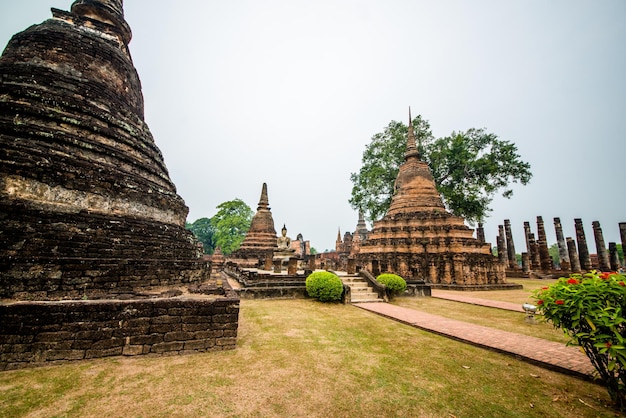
[[307, 359]]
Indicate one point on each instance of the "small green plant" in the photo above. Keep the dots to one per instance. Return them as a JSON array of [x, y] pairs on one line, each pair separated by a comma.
[[394, 283], [590, 309], [325, 286]]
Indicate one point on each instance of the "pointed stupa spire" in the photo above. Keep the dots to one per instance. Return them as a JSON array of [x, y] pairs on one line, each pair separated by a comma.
[[260, 241], [110, 12], [361, 227], [264, 202], [411, 144]]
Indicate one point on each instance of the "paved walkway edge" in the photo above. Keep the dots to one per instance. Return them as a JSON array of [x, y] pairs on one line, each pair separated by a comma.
[[575, 363]]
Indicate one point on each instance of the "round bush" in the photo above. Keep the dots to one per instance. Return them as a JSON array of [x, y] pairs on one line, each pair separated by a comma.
[[393, 282], [324, 285]]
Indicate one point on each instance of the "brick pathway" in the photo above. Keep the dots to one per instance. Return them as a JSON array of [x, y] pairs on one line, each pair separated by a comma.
[[544, 353]]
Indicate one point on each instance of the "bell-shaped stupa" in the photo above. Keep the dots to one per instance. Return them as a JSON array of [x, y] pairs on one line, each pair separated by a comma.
[[259, 244], [419, 239], [87, 205]]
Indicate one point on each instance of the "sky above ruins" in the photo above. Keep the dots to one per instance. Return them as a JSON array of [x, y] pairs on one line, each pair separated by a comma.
[[290, 92]]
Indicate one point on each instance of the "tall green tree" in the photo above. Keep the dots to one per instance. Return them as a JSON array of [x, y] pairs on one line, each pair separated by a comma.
[[205, 233], [372, 186], [231, 223], [468, 168]]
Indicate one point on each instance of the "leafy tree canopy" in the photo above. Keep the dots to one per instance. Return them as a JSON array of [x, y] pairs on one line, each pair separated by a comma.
[[226, 229], [469, 168], [231, 223], [205, 232]]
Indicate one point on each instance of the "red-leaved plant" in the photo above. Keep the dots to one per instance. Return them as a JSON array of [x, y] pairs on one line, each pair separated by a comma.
[[590, 309]]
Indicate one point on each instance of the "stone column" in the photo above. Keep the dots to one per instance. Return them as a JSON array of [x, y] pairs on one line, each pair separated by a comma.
[[510, 246], [457, 265], [603, 256], [560, 240], [268, 262], [542, 243], [432, 272], [622, 234], [531, 247], [525, 262], [447, 275], [501, 243], [277, 265], [480, 233], [351, 266], [535, 260], [311, 265], [573, 255], [527, 236], [375, 268], [292, 266], [613, 257], [583, 250]]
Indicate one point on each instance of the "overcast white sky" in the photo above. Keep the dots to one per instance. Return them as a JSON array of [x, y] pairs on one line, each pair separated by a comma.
[[290, 92]]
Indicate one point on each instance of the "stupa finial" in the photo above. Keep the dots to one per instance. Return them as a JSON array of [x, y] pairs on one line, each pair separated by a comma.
[[110, 12], [411, 145], [264, 202]]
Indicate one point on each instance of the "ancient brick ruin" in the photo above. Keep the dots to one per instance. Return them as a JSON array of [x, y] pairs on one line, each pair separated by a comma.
[[88, 211], [259, 244], [573, 253], [419, 239]]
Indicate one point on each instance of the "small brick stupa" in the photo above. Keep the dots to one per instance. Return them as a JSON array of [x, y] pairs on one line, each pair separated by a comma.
[[419, 239], [87, 206], [257, 248]]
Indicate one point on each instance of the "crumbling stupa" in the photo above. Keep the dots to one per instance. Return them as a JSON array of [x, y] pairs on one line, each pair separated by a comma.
[[260, 243], [419, 239], [87, 206], [88, 213]]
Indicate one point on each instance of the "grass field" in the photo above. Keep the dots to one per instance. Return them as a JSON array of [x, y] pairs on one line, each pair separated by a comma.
[[301, 358]]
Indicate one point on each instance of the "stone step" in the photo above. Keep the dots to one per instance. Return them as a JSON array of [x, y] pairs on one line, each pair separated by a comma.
[[360, 290], [359, 285], [367, 297], [351, 279]]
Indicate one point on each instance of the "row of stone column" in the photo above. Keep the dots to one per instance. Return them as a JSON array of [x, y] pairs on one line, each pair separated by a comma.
[[573, 255]]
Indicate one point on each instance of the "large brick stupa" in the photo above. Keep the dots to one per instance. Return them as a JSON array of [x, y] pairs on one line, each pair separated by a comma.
[[419, 239], [87, 205]]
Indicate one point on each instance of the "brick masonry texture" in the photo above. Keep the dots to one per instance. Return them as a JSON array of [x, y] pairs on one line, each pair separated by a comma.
[[40, 333]]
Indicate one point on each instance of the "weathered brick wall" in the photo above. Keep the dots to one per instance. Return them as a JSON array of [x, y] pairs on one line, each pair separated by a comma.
[[40, 333], [76, 278], [45, 255]]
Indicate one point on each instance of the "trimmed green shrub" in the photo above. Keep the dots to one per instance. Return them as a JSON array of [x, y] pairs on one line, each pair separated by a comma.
[[394, 283], [325, 286]]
